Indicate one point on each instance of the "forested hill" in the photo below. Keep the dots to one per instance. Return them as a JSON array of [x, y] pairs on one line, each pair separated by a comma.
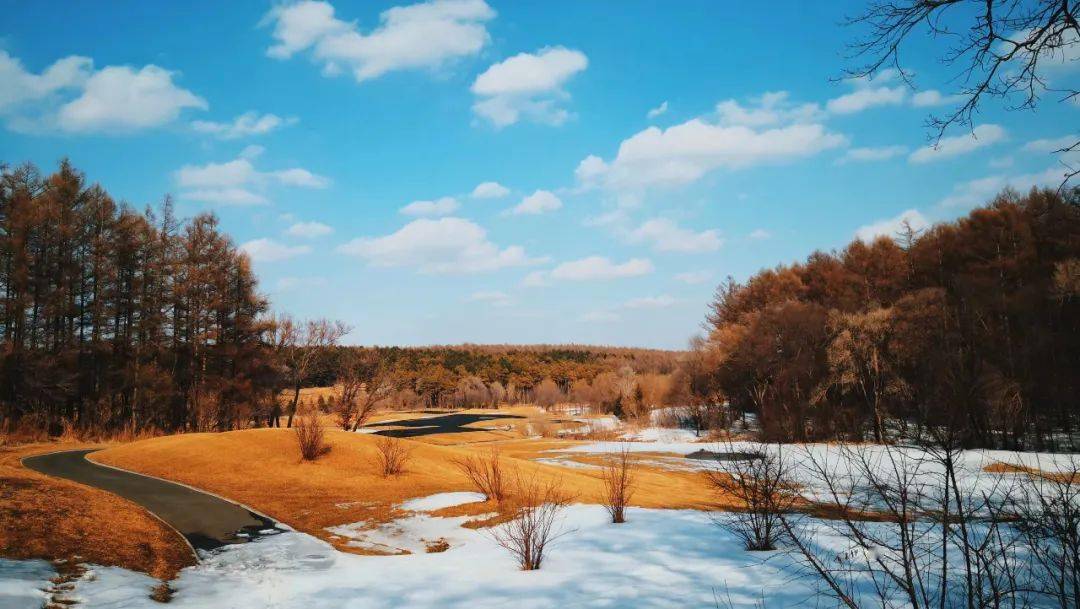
[[514, 368]]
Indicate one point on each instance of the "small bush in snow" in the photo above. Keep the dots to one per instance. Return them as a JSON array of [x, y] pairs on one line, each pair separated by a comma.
[[618, 477], [761, 484], [528, 536]]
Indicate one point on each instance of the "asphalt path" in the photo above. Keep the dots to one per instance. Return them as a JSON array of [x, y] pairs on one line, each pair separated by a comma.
[[208, 522], [447, 423]]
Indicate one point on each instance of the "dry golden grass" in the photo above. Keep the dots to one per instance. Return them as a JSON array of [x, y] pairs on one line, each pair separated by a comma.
[[262, 469], [999, 467], [44, 517]]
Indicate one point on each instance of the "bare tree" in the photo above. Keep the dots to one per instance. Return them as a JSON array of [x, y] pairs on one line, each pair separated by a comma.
[[486, 474], [537, 525], [302, 345], [379, 383], [310, 436], [393, 455], [618, 475], [761, 484], [917, 531], [1001, 49], [1049, 510], [354, 404]]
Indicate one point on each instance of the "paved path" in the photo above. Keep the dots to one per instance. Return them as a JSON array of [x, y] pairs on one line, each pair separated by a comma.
[[208, 522], [446, 423]]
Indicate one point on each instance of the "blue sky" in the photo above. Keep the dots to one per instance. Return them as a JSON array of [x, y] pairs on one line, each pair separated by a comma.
[[631, 158]]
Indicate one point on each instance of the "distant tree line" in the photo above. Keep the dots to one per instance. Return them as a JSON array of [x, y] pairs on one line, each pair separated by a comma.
[[611, 379], [114, 318], [972, 325]]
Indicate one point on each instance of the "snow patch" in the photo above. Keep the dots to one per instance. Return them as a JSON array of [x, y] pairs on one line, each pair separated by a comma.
[[440, 501], [23, 583]]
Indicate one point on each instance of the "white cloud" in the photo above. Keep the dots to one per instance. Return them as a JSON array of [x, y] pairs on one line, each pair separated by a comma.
[[245, 125], [1059, 50], [947, 147], [657, 111], [527, 86], [536, 279], [767, 110], [759, 234], [494, 298], [70, 96], [118, 98], [866, 155], [238, 182], [490, 190], [286, 284], [445, 245], [980, 191], [539, 202], [596, 268], [424, 35], [1050, 145], [933, 97], [439, 207], [650, 302], [694, 277], [684, 153], [18, 86], [667, 236], [252, 151], [299, 177], [601, 317], [891, 227], [308, 230], [268, 250], [225, 196], [869, 93]]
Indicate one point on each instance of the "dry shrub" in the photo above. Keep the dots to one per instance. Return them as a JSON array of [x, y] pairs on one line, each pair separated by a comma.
[[618, 475], [762, 485], [540, 426], [393, 455], [486, 474], [597, 432], [537, 525], [310, 437]]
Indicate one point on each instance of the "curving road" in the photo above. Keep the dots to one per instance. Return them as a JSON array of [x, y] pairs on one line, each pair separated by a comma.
[[208, 522]]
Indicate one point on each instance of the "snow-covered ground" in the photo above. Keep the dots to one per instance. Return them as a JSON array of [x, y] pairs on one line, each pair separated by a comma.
[[22, 583], [659, 558], [841, 461], [414, 533]]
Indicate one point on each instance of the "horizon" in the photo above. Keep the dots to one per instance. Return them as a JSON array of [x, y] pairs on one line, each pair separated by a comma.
[[518, 175]]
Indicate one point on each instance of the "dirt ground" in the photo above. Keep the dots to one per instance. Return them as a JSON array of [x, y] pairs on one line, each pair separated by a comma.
[[43, 517]]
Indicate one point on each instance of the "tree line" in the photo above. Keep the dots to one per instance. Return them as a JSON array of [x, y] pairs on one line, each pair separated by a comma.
[[479, 376], [115, 318], [119, 319], [973, 325]]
